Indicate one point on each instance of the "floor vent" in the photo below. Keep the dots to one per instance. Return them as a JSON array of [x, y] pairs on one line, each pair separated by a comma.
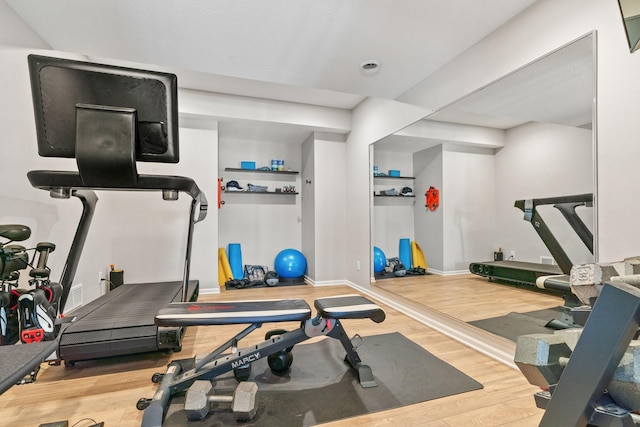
[[75, 298], [547, 260]]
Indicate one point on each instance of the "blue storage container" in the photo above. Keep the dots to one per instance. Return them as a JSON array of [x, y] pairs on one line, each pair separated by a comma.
[[393, 172], [247, 165]]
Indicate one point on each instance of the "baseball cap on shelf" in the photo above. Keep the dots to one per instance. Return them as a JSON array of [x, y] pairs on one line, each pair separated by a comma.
[[234, 186], [407, 191]]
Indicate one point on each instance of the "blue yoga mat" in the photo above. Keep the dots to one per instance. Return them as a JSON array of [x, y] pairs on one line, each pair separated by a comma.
[[405, 253], [234, 253]]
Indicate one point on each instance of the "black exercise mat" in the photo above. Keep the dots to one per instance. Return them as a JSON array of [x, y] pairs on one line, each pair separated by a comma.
[[320, 387], [514, 324]]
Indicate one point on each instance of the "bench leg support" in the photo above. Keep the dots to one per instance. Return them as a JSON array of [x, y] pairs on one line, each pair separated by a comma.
[[365, 374], [154, 412]]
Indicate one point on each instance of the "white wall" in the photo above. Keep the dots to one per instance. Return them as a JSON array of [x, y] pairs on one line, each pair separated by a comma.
[[429, 233], [461, 229], [263, 224], [308, 209], [330, 217], [467, 201], [542, 160], [148, 235]]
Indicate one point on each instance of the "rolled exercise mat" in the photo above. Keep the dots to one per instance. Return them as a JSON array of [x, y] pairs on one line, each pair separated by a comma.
[[234, 253], [224, 268], [405, 253]]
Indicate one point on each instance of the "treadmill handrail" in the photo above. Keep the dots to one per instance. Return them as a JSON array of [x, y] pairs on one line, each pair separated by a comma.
[[586, 198], [528, 206], [89, 201], [568, 211], [71, 183], [52, 179]]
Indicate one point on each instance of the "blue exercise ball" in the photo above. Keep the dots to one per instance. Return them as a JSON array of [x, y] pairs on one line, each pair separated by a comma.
[[290, 264], [379, 260]]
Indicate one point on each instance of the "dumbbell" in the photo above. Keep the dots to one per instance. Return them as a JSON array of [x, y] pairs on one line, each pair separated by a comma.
[[542, 358], [243, 402]]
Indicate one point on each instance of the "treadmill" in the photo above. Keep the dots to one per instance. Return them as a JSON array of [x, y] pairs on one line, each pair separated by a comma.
[[551, 277], [109, 118]]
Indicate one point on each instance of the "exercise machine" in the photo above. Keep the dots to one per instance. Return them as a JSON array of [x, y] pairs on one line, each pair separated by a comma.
[[26, 315], [182, 374], [13, 258], [108, 118], [554, 278], [591, 376], [550, 277]]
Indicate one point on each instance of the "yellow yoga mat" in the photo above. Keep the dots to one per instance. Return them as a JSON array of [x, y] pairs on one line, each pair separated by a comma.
[[224, 268], [417, 257]]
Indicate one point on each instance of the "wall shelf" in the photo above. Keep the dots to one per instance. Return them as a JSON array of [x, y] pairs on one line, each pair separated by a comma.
[[392, 177], [261, 171], [387, 181], [280, 193], [273, 176], [399, 195]]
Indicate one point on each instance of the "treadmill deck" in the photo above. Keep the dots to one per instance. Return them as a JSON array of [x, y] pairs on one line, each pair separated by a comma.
[[121, 321], [514, 271]]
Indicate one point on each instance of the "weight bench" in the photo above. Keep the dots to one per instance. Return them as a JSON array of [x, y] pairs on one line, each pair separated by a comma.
[[181, 374]]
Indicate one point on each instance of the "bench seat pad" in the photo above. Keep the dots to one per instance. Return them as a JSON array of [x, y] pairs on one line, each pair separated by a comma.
[[233, 312], [349, 307]]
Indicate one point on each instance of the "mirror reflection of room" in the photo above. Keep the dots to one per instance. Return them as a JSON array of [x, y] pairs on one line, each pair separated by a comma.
[[525, 140]]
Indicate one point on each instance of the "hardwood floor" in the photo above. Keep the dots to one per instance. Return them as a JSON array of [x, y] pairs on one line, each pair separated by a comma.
[[468, 297], [107, 390]]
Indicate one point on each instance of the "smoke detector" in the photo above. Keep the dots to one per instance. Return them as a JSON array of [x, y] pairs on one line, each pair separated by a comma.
[[370, 67]]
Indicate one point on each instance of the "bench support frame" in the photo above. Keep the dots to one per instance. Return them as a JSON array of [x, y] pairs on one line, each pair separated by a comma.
[[181, 374]]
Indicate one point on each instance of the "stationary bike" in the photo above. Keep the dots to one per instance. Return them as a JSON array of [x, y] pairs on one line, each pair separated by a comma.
[[27, 315]]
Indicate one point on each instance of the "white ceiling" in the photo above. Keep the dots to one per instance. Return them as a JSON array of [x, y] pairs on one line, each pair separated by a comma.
[[301, 45]]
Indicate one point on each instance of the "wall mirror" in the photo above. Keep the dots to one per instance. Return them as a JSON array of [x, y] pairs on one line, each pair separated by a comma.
[[527, 136]]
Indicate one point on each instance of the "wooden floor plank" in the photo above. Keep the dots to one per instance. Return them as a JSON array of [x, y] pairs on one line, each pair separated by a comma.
[[107, 390], [468, 297]]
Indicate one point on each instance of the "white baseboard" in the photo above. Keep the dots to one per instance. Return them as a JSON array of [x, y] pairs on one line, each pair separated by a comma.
[[209, 291], [497, 348], [447, 273], [324, 282]]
